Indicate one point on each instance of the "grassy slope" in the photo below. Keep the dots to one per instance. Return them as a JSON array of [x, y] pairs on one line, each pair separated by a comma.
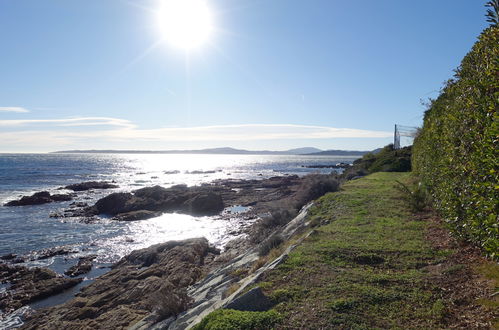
[[371, 266], [367, 268]]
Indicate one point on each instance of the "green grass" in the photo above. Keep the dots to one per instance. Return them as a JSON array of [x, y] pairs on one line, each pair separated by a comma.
[[227, 319], [364, 266], [365, 269]]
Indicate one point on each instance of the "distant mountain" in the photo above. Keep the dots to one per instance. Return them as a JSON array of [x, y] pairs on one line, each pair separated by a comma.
[[303, 151], [338, 153], [223, 151]]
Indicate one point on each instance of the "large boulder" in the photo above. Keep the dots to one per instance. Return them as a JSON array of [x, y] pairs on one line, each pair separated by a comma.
[[204, 203], [113, 204], [150, 201], [42, 197], [90, 185]]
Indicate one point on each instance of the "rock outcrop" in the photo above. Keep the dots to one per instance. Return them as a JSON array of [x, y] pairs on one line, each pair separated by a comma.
[[144, 203], [83, 266], [42, 197], [30, 284], [150, 279], [90, 185]]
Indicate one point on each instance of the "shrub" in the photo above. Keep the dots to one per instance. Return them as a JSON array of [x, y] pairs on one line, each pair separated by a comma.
[[456, 154], [270, 243], [416, 196], [387, 159], [312, 187], [228, 319]]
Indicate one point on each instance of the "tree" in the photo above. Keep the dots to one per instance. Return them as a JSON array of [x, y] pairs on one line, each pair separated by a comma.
[[493, 12]]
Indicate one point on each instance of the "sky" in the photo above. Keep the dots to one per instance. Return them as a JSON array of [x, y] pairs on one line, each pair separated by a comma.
[[273, 74]]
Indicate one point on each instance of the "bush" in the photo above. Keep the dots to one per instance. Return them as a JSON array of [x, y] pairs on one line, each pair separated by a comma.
[[416, 196], [312, 187], [228, 319], [270, 243], [387, 159], [455, 153]]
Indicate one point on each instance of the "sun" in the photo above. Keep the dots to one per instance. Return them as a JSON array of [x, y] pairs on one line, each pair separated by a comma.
[[185, 24]]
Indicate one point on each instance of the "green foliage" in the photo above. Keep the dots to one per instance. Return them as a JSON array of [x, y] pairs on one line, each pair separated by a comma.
[[386, 160], [456, 152], [415, 196], [366, 269], [227, 319]]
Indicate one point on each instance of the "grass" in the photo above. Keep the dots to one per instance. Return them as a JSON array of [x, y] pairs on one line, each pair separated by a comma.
[[227, 319], [370, 264], [365, 269]]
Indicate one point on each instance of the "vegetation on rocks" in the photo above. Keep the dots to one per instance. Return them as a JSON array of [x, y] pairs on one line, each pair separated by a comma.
[[456, 154], [387, 159]]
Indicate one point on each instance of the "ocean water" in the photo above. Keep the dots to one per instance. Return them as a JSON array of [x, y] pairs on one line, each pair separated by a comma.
[[27, 229]]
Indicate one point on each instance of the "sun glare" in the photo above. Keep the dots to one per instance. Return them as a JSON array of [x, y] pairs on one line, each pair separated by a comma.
[[185, 24]]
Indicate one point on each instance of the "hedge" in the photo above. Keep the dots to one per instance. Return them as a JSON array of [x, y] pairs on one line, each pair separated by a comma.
[[456, 151]]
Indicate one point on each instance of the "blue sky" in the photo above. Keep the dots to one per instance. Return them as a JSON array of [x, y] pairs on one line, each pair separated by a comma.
[[275, 74]]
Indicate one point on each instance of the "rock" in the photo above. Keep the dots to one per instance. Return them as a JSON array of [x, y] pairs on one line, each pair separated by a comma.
[[136, 215], [147, 202], [113, 204], [78, 204], [42, 197], [149, 279], [9, 256], [30, 284], [90, 185], [61, 197], [52, 252], [83, 266], [252, 301], [204, 204]]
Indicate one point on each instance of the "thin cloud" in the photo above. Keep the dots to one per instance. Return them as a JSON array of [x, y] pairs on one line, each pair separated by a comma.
[[14, 109], [55, 133], [77, 121]]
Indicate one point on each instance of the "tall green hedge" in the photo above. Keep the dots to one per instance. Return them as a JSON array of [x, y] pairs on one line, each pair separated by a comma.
[[456, 152]]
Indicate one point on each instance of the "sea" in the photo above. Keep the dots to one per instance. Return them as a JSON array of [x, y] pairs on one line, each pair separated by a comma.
[[25, 230]]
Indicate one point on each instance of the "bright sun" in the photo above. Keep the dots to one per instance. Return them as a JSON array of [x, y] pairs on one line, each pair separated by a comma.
[[185, 24]]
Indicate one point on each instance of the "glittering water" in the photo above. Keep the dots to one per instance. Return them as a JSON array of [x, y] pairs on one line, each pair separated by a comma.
[[29, 228]]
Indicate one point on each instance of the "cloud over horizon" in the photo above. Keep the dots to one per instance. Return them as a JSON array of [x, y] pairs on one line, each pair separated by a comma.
[[51, 134], [14, 109]]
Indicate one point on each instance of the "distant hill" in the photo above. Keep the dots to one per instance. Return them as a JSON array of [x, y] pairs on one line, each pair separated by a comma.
[[338, 153], [308, 151]]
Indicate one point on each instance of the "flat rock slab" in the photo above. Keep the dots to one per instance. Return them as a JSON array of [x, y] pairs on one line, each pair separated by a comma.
[[30, 284], [147, 280]]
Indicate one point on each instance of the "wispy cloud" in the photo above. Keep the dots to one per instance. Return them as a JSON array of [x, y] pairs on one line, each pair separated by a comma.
[[77, 121], [14, 109], [62, 132]]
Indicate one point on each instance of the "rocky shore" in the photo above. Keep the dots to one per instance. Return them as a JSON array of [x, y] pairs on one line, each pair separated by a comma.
[[162, 272]]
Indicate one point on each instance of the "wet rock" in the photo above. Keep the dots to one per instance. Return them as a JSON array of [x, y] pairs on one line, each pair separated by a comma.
[[52, 252], [149, 279], [180, 198], [136, 215], [204, 204], [91, 185], [9, 256], [30, 284], [78, 204], [42, 197], [83, 266]]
